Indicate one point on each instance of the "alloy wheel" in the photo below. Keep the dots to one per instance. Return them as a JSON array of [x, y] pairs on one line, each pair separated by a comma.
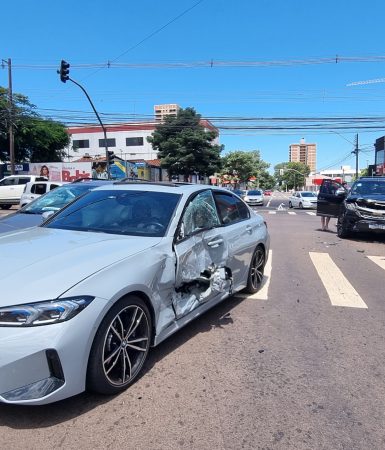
[[256, 269], [126, 345]]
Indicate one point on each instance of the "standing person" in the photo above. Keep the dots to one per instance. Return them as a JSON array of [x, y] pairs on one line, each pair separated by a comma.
[[328, 202]]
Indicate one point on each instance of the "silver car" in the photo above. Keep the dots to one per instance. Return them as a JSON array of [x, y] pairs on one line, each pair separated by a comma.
[[254, 197], [113, 273]]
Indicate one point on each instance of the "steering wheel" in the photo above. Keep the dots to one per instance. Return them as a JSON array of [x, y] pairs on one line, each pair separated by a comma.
[[151, 226]]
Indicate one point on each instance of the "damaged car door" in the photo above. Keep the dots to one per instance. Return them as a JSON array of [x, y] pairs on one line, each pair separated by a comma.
[[202, 254]]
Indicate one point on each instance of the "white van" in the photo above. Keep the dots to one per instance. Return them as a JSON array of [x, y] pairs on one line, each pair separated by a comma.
[[35, 189], [12, 187]]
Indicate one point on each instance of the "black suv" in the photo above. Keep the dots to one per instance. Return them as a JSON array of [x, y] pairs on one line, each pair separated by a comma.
[[360, 209]]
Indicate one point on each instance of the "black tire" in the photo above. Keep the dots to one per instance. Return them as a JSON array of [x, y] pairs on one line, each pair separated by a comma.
[[342, 231], [290, 205], [5, 206], [301, 206], [120, 347], [257, 266]]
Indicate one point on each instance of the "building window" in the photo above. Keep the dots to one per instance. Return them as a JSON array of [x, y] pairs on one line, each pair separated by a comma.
[[81, 143], [134, 141], [110, 142]]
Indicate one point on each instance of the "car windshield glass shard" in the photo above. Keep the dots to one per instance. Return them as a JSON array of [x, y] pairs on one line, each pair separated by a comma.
[[133, 213], [200, 214]]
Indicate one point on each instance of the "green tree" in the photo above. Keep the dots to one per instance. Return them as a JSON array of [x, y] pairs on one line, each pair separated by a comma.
[[184, 146], [36, 139], [293, 175], [239, 166]]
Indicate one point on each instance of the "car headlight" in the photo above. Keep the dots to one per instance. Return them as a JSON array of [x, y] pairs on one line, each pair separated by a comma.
[[43, 313], [351, 206]]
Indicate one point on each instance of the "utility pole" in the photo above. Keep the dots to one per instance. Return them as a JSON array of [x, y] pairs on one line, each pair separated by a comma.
[[356, 151], [10, 117]]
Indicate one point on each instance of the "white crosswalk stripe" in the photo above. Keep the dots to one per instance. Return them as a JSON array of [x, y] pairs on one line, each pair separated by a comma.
[[292, 213], [379, 260], [338, 288], [311, 213], [272, 212]]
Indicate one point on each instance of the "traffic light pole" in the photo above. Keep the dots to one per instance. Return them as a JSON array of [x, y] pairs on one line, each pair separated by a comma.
[[101, 124]]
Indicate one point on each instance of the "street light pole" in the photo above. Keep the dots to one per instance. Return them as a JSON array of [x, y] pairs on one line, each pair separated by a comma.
[[10, 125]]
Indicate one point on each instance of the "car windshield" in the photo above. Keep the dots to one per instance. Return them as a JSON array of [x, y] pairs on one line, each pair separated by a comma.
[[57, 198], [308, 194], [125, 212], [254, 193], [368, 188]]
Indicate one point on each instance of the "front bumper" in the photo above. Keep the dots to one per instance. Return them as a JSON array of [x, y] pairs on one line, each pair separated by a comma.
[[356, 223], [47, 363]]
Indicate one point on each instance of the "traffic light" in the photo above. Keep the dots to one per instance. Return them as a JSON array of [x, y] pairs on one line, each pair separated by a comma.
[[64, 71], [111, 157]]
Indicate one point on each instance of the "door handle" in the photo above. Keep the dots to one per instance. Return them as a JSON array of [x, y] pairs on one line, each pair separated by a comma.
[[249, 229], [215, 243]]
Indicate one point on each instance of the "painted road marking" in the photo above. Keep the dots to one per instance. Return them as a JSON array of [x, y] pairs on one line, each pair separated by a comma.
[[379, 260], [272, 212], [263, 291], [311, 213], [340, 291], [292, 213]]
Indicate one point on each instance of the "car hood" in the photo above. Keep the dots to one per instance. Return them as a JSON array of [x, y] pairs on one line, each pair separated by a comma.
[[371, 200], [17, 221], [43, 263]]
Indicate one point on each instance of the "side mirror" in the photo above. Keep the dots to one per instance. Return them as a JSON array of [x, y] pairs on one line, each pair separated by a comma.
[[341, 192], [47, 214]]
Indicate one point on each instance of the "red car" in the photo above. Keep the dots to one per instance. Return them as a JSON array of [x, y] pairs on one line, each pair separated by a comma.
[[268, 192]]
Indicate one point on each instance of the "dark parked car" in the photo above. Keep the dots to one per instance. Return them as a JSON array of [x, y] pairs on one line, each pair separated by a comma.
[[32, 214], [360, 209]]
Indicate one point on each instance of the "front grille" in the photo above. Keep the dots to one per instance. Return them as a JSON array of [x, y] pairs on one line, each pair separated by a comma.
[[372, 214]]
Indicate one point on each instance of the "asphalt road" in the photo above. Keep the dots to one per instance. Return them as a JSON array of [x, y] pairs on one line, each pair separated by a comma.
[[292, 370]]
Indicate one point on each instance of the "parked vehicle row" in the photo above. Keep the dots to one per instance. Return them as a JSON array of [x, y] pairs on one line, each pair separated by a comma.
[[12, 188], [131, 264]]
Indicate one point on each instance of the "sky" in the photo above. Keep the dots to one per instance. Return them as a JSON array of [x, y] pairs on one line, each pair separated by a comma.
[[255, 68]]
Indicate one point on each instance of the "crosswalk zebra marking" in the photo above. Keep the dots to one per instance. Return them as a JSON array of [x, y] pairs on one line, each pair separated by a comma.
[[338, 288], [379, 260], [292, 213], [311, 213], [272, 212]]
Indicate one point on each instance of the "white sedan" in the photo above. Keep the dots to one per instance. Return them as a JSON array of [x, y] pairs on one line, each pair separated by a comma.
[[303, 199], [85, 295]]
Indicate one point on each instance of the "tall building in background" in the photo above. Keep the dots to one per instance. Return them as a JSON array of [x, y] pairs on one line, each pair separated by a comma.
[[304, 153], [168, 109]]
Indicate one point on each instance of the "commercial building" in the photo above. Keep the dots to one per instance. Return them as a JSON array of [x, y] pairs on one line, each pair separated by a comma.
[[127, 140], [380, 156], [304, 153]]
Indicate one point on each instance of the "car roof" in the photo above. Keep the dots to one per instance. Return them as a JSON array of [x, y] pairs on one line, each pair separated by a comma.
[[175, 188]]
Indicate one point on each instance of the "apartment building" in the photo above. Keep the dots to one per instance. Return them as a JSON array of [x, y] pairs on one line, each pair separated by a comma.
[[304, 153]]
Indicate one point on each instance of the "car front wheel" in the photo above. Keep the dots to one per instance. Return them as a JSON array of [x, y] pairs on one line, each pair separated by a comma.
[[120, 347], [257, 267], [290, 205], [342, 229]]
